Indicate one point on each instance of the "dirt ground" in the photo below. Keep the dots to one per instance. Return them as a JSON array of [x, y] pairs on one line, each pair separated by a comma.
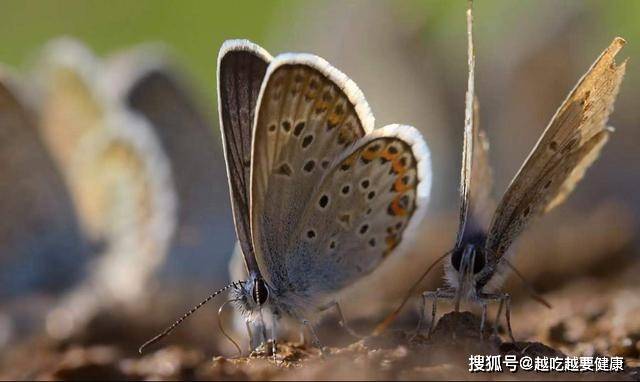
[[590, 317]]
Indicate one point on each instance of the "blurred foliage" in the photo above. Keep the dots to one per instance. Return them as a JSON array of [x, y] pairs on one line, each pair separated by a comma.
[[196, 28], [193, 29]]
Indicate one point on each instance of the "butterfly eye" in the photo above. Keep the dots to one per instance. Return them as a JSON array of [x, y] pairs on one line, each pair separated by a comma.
[[478, 262], [456, 258], [260, 292]]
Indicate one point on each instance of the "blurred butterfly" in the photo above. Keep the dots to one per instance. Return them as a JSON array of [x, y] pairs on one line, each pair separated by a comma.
[[42, 251], [319, 197], [150, 82], [570, 144], [117, 174]]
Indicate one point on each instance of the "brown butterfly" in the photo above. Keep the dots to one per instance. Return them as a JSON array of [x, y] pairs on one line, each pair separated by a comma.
[[569, 145]]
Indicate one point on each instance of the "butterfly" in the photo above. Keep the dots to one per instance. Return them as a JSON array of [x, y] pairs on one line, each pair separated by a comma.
[[319, 197], [118, 176], [572, 141], [150, 83], [41, 246]]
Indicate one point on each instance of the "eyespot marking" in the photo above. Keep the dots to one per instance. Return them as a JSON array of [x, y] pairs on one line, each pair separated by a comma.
[[345, 189], [323, 201], [345, 220], [310, 165], [286, 126], [285, 170], [306, 141], [298, 129]]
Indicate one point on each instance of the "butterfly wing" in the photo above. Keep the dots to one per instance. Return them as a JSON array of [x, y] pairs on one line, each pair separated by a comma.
[[118, 174], [308, 114], [475, 177], [475, 183], [41, 245], [570, 143], [148, 81], [360, 211], [241, 69], [311, 190]]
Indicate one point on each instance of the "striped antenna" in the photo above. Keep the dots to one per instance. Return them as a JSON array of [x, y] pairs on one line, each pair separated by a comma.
[[167, 331]]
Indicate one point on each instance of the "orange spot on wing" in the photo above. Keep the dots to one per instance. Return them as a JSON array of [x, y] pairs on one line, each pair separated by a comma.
[[349, 160], [395, 207], [370, 155], [392, 242], [399, 185], [388, 156], [334, 119], [398, 167]]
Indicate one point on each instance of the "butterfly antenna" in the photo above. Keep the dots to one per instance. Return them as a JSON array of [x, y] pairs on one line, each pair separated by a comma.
[[222, 326], [532, 292], [167, 331], [391, 317]]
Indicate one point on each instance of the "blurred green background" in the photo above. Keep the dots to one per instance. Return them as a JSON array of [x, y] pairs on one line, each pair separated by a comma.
[[195, 29]]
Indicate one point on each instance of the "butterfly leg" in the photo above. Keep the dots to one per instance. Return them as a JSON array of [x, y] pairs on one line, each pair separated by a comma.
[[435, 297], [263, 329], [342, 321], [507, 300], [315, 341], [503, 298], [483, 319], [497, 321], [250, 335], [440, 293], [274, 334], [423, 307]]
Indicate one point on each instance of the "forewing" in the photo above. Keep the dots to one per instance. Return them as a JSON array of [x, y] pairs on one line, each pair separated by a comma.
[[475, 183], [570, 143], [475, 173], [241, 70], [309, 114]]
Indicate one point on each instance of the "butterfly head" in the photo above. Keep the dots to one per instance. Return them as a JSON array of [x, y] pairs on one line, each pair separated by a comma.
[[469, 270], [468, 259]]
